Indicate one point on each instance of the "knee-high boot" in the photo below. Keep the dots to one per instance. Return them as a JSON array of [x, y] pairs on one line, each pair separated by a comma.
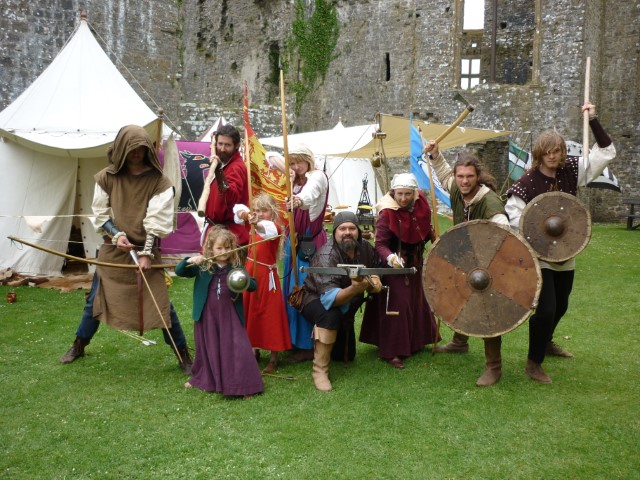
[[493, 372], [323, 344]]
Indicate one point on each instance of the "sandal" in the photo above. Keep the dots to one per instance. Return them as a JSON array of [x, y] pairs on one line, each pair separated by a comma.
[[395, 362], [270, 368]]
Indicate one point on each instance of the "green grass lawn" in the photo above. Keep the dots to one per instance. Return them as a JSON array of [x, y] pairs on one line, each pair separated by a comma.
[[122, 412]]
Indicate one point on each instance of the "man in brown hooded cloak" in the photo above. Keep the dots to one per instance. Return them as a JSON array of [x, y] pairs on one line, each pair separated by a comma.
[[133, 206]]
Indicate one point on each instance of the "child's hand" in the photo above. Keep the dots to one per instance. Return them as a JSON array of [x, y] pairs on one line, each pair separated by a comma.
[[197, 260]]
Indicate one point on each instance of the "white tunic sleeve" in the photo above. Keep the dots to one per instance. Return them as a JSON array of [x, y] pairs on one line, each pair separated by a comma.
[[159, 218], [443, 170], [267, 229], [599, 158], [514, 207], [101, 209], [314, 193]]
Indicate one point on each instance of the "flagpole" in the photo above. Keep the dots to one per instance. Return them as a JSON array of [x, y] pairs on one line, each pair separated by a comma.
[[436, 224], [247, 161], [293, 240]]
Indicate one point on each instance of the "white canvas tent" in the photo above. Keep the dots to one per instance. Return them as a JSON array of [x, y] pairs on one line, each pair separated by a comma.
[[359, 141], [53, 139]]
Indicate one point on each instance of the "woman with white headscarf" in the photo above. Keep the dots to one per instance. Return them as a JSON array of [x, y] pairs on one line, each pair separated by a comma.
[[309, 202], [403, 229]]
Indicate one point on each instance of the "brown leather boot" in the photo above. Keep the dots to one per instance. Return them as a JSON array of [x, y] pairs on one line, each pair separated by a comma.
[[300, 356], [76, 351], [458, 344], [324, 340], [493, 372], [554, 350], [536, 372], [184, 360]]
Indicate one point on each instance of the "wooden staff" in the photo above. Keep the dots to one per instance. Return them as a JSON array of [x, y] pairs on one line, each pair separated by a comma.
[[206, 188], [285, 146], [214, 174], [585, 118], [159, 132], [467, 110]]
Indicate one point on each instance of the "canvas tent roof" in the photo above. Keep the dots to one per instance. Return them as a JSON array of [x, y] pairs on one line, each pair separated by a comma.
[[208, 133], [77, 105], [53, 139], [358, 141]]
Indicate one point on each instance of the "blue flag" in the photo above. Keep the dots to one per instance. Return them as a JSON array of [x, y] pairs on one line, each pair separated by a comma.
[[421, 171]]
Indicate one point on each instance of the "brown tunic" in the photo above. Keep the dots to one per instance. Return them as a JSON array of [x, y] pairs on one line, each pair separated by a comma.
[[116, 301]]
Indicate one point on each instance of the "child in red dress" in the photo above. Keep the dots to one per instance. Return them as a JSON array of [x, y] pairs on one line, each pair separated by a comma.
[[266, 314]]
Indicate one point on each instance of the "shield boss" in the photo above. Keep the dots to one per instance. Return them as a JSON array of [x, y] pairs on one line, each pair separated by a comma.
[[556, 225], [482, 279]]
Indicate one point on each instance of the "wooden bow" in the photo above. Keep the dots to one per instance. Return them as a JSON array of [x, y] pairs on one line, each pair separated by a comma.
[[84, 260]]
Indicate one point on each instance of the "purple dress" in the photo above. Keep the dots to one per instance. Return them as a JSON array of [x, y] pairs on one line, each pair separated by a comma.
[[224, 361]]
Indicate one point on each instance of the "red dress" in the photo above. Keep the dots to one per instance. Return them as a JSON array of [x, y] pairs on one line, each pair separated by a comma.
[[264, 310]]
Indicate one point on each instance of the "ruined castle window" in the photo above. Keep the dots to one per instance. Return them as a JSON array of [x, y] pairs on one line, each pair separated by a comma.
[[470, 51], [497, 42], [469, 73]]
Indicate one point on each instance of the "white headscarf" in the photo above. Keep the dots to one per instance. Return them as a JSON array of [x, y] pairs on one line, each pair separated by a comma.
[[404, 180], [305, 152]]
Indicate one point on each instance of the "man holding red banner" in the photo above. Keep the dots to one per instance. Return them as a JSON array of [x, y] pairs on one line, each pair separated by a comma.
[[222, 198]]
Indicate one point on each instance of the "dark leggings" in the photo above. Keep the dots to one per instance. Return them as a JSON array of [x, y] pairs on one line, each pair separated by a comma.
[[552, 305], [332, 319]]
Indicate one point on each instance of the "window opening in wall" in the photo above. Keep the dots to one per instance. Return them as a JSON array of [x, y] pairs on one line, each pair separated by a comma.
[[472, 30], [387, 64], [469, 73]]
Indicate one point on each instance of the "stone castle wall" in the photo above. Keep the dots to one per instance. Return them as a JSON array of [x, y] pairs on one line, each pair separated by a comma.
[[193, 57]]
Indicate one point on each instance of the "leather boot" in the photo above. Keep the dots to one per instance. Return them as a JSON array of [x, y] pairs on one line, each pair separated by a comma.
[[536, 372], [323, 344], [76, 351], [493, 372], [184, 360], [554, 350], [300, 356], [458, 344]]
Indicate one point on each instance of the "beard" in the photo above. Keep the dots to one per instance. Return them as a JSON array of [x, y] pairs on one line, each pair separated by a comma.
[[348, 244], [225, 157]]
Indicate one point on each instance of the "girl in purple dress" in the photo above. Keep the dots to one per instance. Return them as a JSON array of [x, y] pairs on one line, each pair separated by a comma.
[[224, 360]]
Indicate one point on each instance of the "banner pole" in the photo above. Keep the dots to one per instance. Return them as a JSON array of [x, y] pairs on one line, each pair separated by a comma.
[[293, 239]]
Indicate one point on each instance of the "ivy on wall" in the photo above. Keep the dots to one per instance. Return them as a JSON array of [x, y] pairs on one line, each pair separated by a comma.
[[312, 43]]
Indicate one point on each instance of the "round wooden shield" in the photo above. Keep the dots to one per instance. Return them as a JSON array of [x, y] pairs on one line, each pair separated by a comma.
[[482, 279], [556, 225]]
